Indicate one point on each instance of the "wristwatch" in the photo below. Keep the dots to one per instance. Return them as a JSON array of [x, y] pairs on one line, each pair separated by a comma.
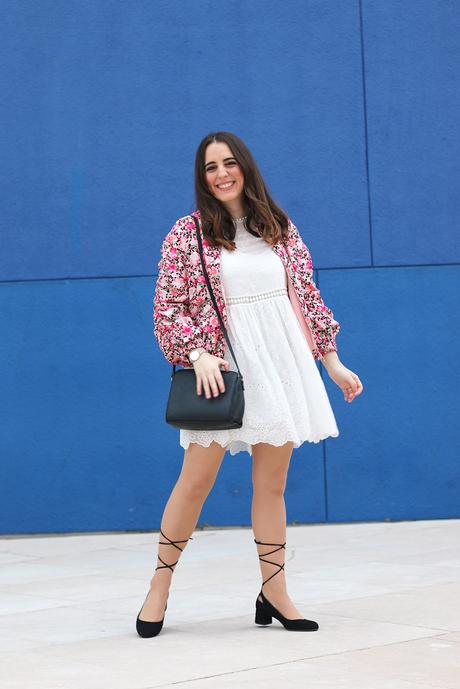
[[195, 354]]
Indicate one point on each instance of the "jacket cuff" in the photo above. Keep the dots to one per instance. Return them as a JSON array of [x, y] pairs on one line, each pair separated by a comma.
[[331, 347], [181, 357]]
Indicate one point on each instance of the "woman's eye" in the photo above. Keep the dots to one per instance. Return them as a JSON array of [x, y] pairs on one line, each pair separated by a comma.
[[213, 167]]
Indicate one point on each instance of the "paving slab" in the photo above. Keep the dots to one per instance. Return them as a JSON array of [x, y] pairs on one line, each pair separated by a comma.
[[386, 596]]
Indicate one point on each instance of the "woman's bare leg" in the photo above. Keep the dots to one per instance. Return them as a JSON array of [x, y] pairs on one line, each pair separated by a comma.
[[269, 474], [199, 470]]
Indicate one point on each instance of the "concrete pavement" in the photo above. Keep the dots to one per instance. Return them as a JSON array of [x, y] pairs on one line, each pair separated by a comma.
[[386, 597]]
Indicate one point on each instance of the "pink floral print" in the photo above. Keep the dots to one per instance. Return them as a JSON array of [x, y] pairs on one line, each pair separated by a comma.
[[183, 313]]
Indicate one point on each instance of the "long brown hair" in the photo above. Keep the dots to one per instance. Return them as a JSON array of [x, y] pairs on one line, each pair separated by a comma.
[[264, 217]]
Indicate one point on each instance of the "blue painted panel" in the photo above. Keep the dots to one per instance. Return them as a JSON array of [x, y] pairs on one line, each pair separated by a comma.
[[85, 384], [85, 446], [106, 102], [398, 453], [80, 391], [412, 63]]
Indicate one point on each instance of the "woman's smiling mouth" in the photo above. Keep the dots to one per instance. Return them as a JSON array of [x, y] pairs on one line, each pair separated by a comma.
[[225, 186]]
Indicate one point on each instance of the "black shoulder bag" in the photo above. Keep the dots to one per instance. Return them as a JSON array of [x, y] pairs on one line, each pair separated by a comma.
[[185, 408]]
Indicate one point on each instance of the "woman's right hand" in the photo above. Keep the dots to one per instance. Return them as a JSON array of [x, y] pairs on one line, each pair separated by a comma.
[[208, 374]]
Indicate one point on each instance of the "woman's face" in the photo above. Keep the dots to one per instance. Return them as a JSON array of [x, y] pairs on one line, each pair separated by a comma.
[[223, 174]]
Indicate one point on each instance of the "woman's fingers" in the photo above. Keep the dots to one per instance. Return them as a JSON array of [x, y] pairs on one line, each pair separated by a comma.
[[209, 376], [358, 384], [353, 387], [212, 384], [220, 380], [205, 388], [216, 382], [209, 385]]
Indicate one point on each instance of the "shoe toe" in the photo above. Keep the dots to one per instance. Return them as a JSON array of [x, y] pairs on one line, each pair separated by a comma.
[[147, 630]]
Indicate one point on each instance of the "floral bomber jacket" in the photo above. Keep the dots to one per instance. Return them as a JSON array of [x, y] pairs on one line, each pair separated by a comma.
[[183, 313]]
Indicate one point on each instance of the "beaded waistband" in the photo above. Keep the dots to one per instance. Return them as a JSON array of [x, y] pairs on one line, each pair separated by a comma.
[[257, 297]]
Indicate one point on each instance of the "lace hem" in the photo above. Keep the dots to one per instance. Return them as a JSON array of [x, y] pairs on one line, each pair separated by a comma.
[[243, 443]]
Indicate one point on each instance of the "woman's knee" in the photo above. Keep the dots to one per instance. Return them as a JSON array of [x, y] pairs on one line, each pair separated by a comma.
[[196, 486], [270, 483]]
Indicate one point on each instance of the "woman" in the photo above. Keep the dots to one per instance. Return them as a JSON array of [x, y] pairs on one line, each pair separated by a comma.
[[261, 274]]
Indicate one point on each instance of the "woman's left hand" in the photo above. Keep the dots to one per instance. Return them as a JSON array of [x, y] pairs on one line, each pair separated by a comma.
[[346, 380]]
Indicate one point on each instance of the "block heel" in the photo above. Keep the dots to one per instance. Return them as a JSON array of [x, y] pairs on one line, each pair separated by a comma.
[[261, 616]]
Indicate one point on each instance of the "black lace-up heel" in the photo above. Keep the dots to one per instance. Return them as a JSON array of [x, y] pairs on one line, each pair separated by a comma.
[[265, 611], [149, 629]]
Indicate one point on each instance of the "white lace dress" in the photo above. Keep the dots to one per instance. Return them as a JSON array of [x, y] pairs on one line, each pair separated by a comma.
[[285, 397]]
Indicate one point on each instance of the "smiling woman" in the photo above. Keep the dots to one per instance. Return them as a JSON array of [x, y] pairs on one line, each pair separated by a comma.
[[255, 259]]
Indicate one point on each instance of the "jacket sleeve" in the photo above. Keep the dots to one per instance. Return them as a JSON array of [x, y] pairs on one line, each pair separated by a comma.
[[325, 327], [175, 329]]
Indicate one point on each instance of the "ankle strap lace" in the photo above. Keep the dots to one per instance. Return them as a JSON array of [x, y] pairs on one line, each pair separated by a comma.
[[169, 542], [261, 557]]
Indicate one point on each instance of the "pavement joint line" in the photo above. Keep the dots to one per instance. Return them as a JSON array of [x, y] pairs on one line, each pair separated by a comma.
[[287, 662]]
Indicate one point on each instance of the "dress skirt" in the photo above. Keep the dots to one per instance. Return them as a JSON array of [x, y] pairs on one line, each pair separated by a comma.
[[285, 397]]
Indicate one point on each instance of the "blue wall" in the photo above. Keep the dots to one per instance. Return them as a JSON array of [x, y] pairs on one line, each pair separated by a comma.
[[351, 110]]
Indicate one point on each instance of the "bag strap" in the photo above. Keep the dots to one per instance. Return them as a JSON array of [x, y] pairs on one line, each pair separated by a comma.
[[224, 329]]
